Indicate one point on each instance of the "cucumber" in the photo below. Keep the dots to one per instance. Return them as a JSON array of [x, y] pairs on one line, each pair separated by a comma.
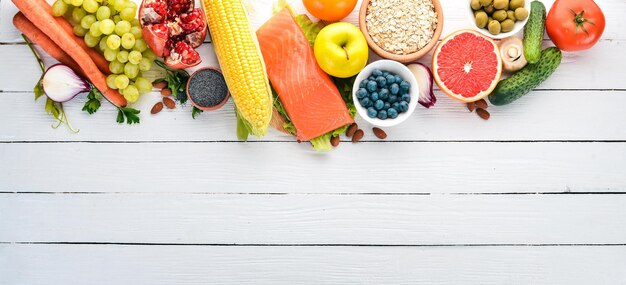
[[528, 78], [533, 31]]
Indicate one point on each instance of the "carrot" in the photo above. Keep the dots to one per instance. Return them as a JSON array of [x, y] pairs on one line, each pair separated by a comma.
[[37, 36], [97, 58], [42, 19]]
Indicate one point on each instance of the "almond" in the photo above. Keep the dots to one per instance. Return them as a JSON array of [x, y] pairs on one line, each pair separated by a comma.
[[358, 135], [156, 108], [482, 113], [334, 141], [379, 133], [471, 106], [160, 85], [482, 104], [351, 129], [169, 103], [166, 92]]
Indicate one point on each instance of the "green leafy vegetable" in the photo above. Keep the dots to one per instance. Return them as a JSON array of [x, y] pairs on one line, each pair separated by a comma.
[[54, 109], [310, 28], [176, 81], [128, 115], [93, 101], [195, 112]]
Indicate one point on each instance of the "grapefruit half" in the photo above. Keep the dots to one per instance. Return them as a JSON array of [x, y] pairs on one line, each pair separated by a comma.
[[467, 65]]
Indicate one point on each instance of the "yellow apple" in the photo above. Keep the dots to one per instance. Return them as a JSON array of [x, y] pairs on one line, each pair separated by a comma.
[[341, 50]]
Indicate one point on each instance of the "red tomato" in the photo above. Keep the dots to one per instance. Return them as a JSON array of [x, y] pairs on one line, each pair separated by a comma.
[[575, 24], [330, 10]]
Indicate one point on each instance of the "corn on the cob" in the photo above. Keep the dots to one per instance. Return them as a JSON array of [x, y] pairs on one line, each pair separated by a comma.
[[241, 61]]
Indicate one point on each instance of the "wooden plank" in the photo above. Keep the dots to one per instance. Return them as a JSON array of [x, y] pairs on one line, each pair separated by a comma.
[[543, 115], [138, 265], [593, 69], [455, 13], [264, 168], [314, 219]]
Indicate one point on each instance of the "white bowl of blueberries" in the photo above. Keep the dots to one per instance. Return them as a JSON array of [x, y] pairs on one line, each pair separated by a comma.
[[385, 93]]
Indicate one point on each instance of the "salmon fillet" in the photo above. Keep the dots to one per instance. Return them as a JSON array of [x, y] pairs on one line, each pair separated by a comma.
[[309, 95]]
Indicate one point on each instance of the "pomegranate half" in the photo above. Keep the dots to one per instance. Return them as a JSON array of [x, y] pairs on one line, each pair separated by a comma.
[[173, 29]]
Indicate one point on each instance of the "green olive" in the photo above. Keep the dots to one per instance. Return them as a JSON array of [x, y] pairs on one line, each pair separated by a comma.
[[514, 4], [507, 25], [499, 15], [481, 19], [489, 9], [494, 27], [521, 14], [475, 4], [501, 4], [485, 3], [511, 15]]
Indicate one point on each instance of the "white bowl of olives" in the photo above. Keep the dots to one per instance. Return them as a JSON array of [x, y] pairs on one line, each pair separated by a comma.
[[499, 19]]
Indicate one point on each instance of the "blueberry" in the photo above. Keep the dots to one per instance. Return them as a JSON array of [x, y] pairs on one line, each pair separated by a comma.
[[387, 106], [374, 96], [383, 94], [392, 113], [382, 82], [398, 79], [363, 83], [382, 115], [404, 106], [390, 79], [405, 85], [377, 72], [406, 98], [361, 93], [366, 102], [395, 89], [385, 73], [396, 106], [371, 112], [371, 86], [379, 105], [371, 78], [392, 99]]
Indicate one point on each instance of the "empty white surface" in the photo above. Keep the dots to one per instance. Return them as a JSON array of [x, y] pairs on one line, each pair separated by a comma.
[[536, 195]]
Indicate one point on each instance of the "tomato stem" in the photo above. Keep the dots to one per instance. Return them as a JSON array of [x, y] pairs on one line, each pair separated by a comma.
[[580, 20]]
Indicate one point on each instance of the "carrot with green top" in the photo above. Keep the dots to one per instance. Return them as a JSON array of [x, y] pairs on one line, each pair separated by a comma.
[[42, 19]]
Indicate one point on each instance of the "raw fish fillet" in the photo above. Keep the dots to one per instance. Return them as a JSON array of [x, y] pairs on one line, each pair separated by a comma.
[[309, 95]]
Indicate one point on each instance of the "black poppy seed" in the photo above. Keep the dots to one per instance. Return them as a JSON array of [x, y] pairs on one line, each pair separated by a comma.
[[207, 88]]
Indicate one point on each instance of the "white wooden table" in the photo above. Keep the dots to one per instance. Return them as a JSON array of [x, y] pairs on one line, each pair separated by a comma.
[[536, 195]]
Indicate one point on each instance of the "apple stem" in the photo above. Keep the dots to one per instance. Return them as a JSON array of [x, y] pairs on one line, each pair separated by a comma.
[[346, 50]]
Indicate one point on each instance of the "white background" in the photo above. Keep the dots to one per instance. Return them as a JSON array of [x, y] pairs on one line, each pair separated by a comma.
[[536, 195]]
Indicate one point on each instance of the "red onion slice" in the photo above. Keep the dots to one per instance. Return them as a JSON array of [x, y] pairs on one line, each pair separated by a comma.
[[61, 84], [424, 78]]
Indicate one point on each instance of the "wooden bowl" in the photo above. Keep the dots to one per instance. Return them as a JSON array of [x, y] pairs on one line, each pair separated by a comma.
[[405, 57], [212, 108]]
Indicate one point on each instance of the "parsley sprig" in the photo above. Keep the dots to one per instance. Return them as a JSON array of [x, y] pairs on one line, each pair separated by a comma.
[[128, 115], [93, 101], [176, 81]]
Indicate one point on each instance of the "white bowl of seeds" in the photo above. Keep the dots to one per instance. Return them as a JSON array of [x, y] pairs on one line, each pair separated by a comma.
[[401, 30]]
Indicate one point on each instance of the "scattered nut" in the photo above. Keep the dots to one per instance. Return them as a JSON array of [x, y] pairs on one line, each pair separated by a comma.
[[379, 133], [156, 108], [358, 135], [351, 129], [483, 114], [471, 106], [166, 92], [169, 103], [160, 85], [482, 104], [334, 141]]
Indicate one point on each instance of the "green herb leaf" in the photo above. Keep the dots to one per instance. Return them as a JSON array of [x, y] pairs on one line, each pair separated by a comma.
[[93, 101], [176, 81], [195, 112], [38, 90], [128, 115]]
